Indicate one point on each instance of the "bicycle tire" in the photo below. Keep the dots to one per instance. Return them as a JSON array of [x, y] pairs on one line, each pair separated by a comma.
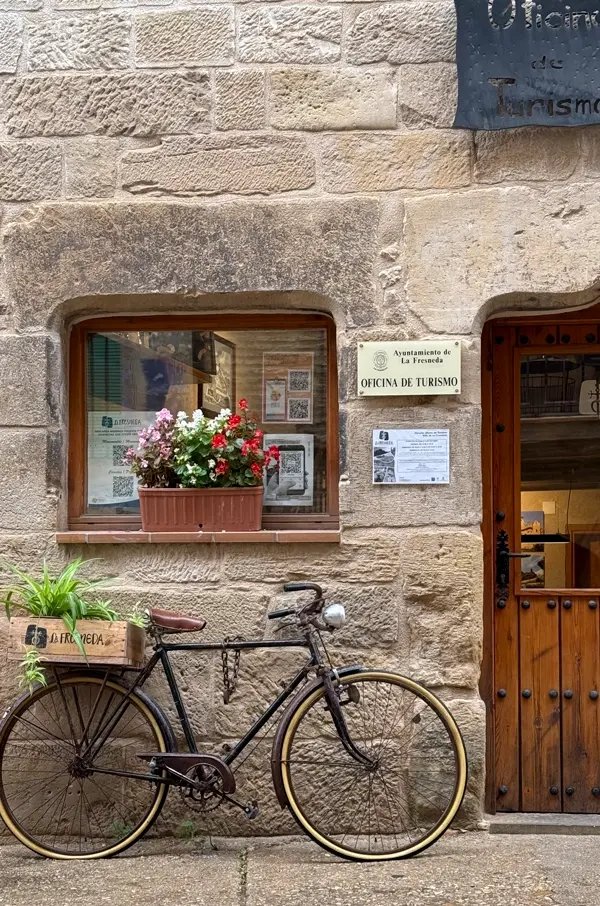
[[299, 810], [161, 735]]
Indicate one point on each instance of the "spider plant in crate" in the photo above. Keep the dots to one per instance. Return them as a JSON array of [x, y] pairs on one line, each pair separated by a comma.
[[68, 597]]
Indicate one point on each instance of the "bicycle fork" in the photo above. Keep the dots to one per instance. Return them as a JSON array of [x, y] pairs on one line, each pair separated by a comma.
[[335, 709]]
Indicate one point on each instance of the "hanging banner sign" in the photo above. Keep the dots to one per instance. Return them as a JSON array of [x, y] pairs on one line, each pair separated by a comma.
[[527, 63], [422, 368]]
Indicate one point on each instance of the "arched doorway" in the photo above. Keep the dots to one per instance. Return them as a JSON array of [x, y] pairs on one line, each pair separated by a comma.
[[541, 468]]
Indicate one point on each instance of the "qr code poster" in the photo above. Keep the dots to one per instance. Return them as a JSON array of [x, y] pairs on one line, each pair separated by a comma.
[[110, 435], [288, 387], [290, 483]]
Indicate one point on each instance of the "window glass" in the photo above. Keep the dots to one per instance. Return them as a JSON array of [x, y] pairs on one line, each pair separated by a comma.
[[560, 471], [282, 374]]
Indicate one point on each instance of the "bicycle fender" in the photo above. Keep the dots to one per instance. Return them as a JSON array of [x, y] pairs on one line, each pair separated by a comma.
[[284, 723]]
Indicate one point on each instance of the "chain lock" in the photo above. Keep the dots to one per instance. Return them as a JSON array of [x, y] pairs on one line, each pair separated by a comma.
[[230, 678]]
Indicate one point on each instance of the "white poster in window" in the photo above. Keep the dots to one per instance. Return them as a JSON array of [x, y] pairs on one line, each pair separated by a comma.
[[288, 386], [291, 483], [110, 435], [411, 456]]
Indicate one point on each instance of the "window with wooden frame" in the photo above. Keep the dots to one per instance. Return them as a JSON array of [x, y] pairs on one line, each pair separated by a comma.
[[125, 369]]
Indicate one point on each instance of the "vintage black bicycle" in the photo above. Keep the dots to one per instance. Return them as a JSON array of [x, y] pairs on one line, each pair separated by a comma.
[[371, 764]]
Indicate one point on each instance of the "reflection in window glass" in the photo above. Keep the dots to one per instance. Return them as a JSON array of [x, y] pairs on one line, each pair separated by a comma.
[[281, 373], [560, 471]]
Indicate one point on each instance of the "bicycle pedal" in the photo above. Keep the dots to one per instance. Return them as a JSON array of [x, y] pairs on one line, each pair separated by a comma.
[[251, 810]]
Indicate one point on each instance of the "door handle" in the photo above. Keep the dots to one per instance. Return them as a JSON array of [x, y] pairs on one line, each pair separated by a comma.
[[503, 557]]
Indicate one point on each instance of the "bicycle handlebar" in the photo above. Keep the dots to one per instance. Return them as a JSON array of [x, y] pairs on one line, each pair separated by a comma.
[[277, 614], [304, 586]]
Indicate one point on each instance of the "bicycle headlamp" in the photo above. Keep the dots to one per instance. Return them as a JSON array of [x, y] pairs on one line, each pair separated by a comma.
[[334, 615]]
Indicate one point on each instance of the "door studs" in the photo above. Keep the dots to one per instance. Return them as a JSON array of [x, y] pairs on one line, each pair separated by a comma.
[[501, 693], [594, 695], [502, 790], [551, 604], [526, 693], [570, 790], [553, 693], [568, 693], [525, 605], [567, 604], [553, 791]]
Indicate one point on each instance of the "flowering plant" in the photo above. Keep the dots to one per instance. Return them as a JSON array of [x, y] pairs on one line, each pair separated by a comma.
[[226, 451], [152, 462]]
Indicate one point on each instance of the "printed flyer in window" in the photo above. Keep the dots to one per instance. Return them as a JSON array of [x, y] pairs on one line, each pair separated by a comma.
[[110, 435]]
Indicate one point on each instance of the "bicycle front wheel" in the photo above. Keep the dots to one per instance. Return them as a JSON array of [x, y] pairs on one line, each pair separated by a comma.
[[408, 794], [66, 793]]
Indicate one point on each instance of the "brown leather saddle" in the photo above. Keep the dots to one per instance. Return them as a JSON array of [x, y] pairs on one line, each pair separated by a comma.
[[175, 622]]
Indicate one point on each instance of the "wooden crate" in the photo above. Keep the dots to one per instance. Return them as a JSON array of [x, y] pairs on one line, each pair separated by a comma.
[[119, 643]]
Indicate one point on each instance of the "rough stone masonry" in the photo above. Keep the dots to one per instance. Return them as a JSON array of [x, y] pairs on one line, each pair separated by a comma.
[[188, 156]]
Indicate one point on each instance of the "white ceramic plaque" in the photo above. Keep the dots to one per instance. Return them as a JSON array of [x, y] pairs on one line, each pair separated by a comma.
[[424, 368]]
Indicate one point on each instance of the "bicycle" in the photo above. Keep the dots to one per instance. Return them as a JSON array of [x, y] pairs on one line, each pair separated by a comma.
[[371, 764]]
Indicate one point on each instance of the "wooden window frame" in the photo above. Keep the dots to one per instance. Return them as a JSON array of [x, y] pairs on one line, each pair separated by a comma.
[[78, 520]]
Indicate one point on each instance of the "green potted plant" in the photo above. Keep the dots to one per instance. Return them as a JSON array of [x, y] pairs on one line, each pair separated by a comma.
[[61, 622], [201, 474]]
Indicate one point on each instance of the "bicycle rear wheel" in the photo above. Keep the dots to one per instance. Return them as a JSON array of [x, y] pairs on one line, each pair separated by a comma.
[[405, 799], [59, 799]]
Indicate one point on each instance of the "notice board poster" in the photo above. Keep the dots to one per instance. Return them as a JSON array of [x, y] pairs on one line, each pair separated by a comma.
[[290, 482], [411, 456], [288, 387], [110, 435]]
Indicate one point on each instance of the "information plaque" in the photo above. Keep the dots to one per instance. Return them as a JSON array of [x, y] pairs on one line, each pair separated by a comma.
[[407, 368], [526, 63]]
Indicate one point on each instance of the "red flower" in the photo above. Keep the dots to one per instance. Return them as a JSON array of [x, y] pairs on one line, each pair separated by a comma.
[[234, 421], [246, 448], [274, 453], [222, 467], [219, 440], [256, 468], [259, 434], [243, 404]]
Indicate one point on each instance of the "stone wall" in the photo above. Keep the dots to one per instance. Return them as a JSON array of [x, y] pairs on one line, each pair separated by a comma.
[[164, 156]]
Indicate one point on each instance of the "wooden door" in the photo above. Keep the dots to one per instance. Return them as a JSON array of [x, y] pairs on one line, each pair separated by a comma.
[[541, 469]]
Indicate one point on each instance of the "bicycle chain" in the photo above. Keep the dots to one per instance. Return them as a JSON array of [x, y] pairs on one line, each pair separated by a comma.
[[230, 680]]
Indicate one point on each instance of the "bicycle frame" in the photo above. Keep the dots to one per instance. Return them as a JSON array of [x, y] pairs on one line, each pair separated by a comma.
[[161, 654]]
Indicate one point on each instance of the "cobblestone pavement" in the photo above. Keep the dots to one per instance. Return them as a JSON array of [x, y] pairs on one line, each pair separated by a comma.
[[463, 869]]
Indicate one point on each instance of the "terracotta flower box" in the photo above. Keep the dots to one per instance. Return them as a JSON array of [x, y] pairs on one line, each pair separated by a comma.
[[201, 509], [120, 643]]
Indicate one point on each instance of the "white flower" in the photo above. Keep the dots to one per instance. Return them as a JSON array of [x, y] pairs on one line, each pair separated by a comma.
[[211, 463], [197, 415], [190, 467], [181, 416]]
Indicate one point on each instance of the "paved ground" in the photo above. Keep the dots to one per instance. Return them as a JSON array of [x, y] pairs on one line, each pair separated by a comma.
[[463, 869]]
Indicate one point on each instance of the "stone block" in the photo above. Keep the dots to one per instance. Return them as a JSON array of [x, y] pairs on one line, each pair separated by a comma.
[[289, 34], [240, 100], [457, 503], [322, 246], [316, 99], [100, 42], [464, 249], [11, 42], [420, 31], [110, 104], [91, 168], [30, 171], [427, 94], [384, 163], [105, 4], [27, 397], [21, 6], [209, 166], [366, 556], [26, 503], [590, 150], [526, 154], [192, 38], [229, 609], [470, 716], [442, 585], [174, 565]]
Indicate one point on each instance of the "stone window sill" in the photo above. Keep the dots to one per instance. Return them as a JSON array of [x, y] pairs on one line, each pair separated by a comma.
[[280, 536]]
